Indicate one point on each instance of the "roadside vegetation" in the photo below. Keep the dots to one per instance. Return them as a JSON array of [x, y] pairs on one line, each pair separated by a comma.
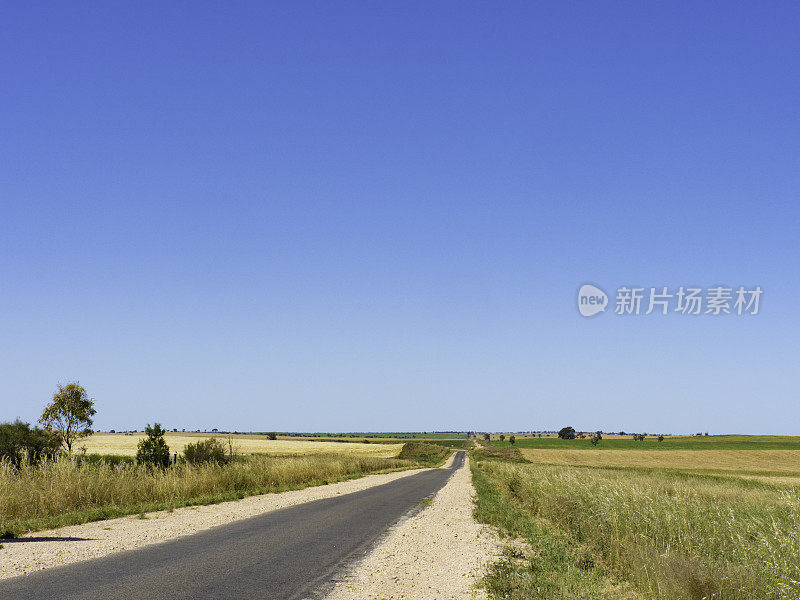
[[638, 532], [423, 453], [66, 491], [45, 484]]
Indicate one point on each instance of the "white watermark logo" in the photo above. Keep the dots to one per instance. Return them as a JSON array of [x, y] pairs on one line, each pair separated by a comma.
[[591, 300], [684, 300]]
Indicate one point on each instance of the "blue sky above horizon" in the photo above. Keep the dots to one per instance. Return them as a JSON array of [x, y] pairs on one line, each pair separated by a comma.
[[376, 216]]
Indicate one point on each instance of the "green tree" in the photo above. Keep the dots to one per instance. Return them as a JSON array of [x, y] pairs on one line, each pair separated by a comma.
[[567, 433], [153, 449], [502, 437], [512, 439], [69, 414], [487, 437], [18, 442]]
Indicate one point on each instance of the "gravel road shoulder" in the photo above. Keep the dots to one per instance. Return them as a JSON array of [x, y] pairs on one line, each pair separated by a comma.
[[440, 553], [67, 545]]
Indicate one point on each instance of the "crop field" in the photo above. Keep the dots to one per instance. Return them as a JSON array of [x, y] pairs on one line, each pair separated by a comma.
[[125, 444], [683, 442], [719, 521], [744, 462], [372, 435]]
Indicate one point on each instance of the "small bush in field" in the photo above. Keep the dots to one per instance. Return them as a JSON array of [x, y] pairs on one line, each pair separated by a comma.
[[205, 451], [153, 450]]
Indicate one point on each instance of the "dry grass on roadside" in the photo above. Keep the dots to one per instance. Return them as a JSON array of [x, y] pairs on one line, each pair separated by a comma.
[[62, 492], [674, 536], [125, 444]]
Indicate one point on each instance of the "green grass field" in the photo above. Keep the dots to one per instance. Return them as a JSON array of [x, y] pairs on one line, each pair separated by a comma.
[[711, 442]]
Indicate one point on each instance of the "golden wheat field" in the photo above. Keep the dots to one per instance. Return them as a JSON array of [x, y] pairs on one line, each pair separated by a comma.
[[125, 444], [746, 461]]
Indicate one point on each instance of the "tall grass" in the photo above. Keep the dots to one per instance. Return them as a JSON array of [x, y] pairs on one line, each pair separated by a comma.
[[67, 491], [673, 536]]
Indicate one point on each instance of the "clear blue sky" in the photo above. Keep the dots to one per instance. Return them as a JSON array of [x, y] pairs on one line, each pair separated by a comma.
[[376, 216]]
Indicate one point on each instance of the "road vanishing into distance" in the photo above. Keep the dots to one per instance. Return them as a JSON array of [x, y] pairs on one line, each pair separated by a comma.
[[292, 553]]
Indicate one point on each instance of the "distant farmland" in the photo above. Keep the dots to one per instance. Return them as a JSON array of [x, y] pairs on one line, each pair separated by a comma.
[[682, 442], [125, 444]]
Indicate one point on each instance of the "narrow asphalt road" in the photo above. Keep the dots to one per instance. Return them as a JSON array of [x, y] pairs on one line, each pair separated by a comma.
[[288, 554]]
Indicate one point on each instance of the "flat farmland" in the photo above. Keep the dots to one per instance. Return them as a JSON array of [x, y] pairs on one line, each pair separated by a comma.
[[675, 442], [126, 444], [767, 462]]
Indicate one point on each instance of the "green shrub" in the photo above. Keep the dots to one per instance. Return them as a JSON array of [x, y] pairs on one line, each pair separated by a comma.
[[19, 442], [205, 451], [153, 450]]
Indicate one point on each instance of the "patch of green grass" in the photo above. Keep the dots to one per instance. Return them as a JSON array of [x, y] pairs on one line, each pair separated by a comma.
[[429, 455], [458, 444], [506, 453]]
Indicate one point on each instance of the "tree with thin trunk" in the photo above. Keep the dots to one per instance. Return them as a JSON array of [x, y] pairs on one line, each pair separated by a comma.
[[69, 414]]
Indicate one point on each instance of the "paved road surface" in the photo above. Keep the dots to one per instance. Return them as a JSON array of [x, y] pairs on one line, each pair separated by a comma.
[[293, 553]]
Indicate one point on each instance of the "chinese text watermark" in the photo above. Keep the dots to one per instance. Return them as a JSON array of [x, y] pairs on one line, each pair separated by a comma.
[[684, 300]]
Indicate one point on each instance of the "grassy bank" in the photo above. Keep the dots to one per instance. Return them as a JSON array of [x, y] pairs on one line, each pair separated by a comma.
[[667, 534], [68, 492], [428, 455]]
